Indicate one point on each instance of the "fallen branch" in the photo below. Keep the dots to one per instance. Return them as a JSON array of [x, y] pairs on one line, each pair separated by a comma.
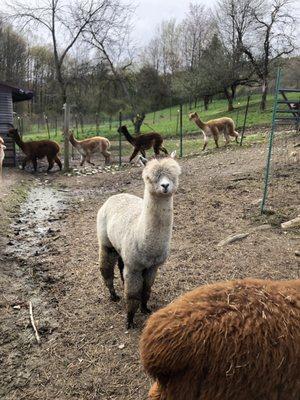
[[293, 223], [37, 336], [232, 239]]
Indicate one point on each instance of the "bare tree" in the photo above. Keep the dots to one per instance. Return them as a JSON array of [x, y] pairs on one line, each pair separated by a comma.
[[196, 32], [66, 21], [264, 32]]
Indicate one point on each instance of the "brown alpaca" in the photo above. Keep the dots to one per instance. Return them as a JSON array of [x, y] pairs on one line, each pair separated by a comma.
[[143, 142], [2, 148], [37, 150], [235, 340], [214, 127], [87, 147]]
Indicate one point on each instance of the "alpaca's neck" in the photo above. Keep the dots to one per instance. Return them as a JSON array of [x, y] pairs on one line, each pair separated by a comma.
[[156, 220], [19, 141], [200, 123], [128, 136], [73, 141]]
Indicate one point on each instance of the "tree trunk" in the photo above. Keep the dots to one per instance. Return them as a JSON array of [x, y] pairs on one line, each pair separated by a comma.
[[229, 97], [264, 95], [206, 101], [137, 122]]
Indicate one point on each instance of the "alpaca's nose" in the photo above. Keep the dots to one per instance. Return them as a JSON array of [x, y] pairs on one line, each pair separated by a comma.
[[165, 186]]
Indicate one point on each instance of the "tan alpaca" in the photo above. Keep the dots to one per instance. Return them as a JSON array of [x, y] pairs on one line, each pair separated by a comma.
[[2, 148], [87, 147], [214, 127]]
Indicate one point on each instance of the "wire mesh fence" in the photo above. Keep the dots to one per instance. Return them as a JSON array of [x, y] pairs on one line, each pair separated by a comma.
[[178, 132]]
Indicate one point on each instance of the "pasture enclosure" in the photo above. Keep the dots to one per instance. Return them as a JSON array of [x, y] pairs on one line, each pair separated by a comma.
[[49, 257], [285, 112]]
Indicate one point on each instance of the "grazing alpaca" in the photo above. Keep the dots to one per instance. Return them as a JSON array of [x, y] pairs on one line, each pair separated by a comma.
[[214, 127], [87, 147], [137, 232], [37, 150], [143, 142], [2, 148], [235, 340]]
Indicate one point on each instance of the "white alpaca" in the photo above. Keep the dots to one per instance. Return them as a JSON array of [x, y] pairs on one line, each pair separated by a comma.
[[137, 232], [2, 148]]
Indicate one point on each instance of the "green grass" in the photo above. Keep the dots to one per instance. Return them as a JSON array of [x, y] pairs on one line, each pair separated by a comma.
[[166, 121]]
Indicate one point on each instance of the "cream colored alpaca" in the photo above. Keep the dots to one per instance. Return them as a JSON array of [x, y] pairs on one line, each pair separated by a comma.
[[87, 147], [214, 127], [2, 148], [137, 232]]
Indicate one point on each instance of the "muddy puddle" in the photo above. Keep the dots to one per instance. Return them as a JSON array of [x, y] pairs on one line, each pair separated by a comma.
[[37, 222]]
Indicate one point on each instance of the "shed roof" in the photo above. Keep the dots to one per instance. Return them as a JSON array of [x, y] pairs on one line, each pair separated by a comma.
[[18, 94]]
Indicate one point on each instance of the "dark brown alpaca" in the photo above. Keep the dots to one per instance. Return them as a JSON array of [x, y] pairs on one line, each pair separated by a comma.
[[235, 340], [143, 142], [37, 150]]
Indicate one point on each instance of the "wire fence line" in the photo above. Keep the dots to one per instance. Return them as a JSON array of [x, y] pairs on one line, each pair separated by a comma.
[[173, 123]]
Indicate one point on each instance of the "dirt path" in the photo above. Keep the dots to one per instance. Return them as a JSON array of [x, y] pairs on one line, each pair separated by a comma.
[[50, 258]]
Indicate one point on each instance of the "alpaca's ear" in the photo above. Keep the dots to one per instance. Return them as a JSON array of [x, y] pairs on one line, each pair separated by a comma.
[[173, 154], [143, 161]]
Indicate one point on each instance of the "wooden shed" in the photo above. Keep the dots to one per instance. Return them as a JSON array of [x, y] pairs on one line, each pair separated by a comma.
[[8, 95]]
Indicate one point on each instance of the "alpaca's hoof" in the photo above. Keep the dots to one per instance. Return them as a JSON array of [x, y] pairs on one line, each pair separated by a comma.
[[130, 325], [145, 310], [115, 298]]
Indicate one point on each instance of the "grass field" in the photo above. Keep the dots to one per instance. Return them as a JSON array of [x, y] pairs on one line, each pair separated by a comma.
[[166, 121]]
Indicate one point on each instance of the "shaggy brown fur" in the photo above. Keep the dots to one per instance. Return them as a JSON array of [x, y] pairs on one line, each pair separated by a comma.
[[236, 340], [92, 145], [37, 150], [144, 142], [214, 127]]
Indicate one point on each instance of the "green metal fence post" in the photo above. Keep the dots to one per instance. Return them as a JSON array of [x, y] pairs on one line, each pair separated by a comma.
[[268, 164], [120, 139], [180, 129]]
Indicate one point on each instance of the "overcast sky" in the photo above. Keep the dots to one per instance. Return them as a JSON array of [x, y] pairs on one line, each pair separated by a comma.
[[150, 13]]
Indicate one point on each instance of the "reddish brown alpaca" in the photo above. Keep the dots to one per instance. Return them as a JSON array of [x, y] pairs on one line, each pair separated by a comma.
[[37, 150], [236, 340], [143, 142]]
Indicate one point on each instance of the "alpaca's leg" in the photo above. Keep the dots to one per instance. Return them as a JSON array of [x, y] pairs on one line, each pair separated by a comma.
[[88, 159], [236, 134], [107, 260], [216, 139], [135, 151], [149, 275], [215, 132], [106, 155], [50, 162], [121, 268], [156, 148], [205, 141], [226, 136], [143, 153], [133, 291], [24, 162], [82, 160], [34, 162], [58, 162]]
